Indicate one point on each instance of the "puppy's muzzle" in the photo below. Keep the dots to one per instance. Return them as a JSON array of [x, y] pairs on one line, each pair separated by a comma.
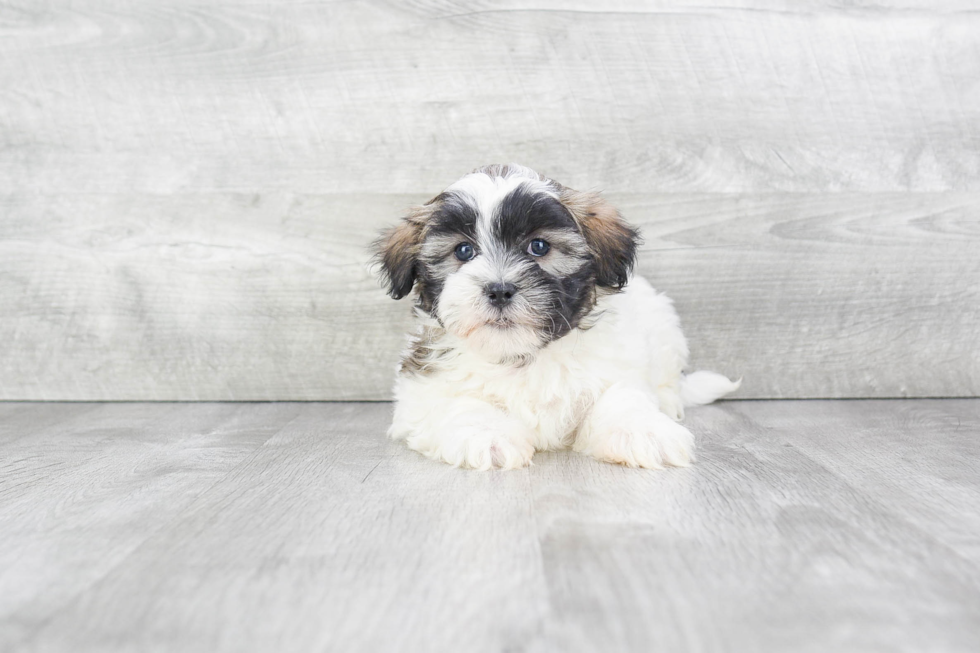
[[500, 294]]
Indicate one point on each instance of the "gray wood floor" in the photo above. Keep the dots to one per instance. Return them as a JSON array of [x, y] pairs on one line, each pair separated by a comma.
[[805, 526]]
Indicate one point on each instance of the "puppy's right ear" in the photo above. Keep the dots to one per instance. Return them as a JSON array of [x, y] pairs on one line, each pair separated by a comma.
[[397, 251]]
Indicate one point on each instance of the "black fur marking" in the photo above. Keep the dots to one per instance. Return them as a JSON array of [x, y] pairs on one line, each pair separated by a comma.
[[525, 211], [430, 287], [454, 216], [617, 256], [575, 298]]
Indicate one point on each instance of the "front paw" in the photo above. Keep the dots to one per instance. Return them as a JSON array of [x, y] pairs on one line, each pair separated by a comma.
[[494, 442], [627, 427], [490, 448]]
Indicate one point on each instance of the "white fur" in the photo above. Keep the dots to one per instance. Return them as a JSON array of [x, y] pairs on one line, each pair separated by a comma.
[[612, 391], [464, 314]]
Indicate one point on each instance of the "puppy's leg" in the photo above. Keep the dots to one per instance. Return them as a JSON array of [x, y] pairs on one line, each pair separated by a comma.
[[463, 432], [626, 426]]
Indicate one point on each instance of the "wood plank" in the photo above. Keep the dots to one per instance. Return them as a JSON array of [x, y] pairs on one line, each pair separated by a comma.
[[22, 420], [196, 297], [920, 457], [84, 490], [368, 97], [761, 547], [328, 537], [190, 185], [823, 296], [270, 297]]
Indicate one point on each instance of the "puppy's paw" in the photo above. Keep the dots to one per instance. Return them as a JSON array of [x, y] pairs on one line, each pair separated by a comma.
[[471, 435], [490, 450], [653, 446], [627, 427], [493, 447]]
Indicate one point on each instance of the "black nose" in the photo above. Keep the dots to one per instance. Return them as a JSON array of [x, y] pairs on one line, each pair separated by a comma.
[[500, 294]]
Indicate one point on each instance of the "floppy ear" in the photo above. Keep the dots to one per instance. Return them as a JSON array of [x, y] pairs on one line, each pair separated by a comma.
[[397, 250], [612, 241]]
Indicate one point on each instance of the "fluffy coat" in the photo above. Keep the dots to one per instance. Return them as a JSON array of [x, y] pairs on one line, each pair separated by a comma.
[[580, 352]]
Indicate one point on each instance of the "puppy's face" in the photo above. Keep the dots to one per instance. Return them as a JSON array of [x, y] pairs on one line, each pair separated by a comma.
[[508, 260]]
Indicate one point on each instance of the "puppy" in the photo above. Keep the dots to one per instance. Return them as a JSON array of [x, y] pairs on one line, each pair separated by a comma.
[[533, 334]]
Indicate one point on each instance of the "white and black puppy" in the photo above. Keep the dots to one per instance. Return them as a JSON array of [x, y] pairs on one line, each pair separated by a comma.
[[533, 334]]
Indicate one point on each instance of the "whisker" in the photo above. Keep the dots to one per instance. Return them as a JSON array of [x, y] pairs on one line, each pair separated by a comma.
[[567, 322]]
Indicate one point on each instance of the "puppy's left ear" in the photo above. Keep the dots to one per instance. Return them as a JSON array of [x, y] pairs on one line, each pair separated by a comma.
[[397, 251], [612, 241]]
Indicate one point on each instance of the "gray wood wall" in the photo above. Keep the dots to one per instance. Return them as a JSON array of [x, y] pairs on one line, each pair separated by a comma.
[[187, 188]]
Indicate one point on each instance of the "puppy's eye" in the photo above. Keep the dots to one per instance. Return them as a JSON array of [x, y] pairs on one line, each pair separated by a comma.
[[465, 251], [538, 247]]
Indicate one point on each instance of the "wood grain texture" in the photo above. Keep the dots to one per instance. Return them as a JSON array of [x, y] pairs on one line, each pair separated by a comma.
[[805, 526], [82, 486], [188, 186], [378, 97], [272, 296]]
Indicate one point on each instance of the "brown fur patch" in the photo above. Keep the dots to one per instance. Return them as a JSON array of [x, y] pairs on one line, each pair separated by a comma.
[[612, 241], [397, 250], [420, 357]]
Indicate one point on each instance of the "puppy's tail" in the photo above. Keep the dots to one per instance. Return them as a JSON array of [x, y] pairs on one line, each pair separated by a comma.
[[700, 388]]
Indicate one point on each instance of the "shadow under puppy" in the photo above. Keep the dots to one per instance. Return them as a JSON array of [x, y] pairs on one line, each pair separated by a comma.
[[533, 334]]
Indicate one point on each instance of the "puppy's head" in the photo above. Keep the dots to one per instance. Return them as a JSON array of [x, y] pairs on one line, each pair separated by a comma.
[[508, 260]]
